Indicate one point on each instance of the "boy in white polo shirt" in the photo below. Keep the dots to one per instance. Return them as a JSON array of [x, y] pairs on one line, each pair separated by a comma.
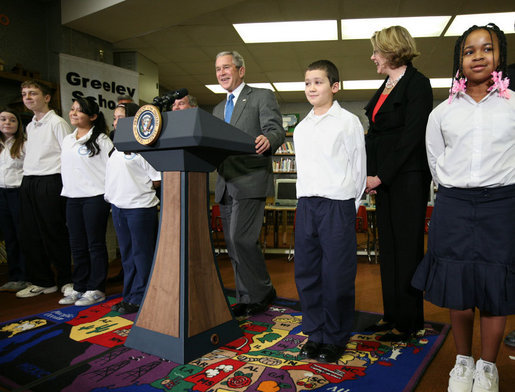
[[331, 177], [44, 238]]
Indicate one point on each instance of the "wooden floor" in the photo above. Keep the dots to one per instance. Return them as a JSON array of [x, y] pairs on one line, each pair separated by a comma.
[[368, 298]]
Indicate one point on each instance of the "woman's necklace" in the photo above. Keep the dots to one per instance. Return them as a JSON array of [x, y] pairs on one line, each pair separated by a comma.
[[391, 83]]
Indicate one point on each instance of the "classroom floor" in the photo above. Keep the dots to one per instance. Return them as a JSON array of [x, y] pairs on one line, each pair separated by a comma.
[[368, 298]]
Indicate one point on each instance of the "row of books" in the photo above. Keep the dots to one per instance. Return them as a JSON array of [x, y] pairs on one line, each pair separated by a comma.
[[286, 148], [284, 165]]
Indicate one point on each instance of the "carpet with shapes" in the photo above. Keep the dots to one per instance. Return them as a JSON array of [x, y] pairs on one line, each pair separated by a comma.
[[75, 349]]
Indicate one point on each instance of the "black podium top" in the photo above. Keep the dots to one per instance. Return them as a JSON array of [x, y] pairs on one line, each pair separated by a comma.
[[190, 140]]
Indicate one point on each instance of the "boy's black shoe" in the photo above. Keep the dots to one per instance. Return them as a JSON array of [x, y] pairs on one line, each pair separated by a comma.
[[239, 310], [330, 353], [509, 340], [116, 306], [127, 308], [260, 307], [309, 350]]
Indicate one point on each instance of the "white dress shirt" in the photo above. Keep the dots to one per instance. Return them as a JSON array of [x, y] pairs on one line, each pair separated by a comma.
[[472, 144], [11, 169], [330, 155], [43, 146], [84, 176], [129, 181]]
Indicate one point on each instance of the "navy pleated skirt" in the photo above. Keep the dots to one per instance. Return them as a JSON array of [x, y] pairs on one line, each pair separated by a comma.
[[470, 260]]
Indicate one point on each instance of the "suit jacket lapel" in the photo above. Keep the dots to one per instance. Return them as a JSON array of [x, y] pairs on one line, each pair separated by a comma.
[[240, 104], [372, 103], [395, 97], [399, 91]]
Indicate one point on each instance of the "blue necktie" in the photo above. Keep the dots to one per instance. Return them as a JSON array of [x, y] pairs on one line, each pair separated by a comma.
[[229, 106]]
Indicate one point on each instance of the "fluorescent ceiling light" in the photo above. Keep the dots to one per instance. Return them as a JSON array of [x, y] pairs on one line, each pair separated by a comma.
[[418, 26], [441, 82], [290, 86], [216, 88], [262, 85], [312, 30], [461, 23]]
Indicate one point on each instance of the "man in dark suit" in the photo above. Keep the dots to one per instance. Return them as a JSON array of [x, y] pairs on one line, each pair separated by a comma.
[[244, 181]]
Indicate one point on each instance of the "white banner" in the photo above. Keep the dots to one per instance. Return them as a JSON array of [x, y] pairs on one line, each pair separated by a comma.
[[82, 78]]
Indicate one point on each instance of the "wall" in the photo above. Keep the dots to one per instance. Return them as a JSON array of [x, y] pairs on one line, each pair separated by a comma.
[[148, 83], [24, 38], [23, 42], [75, 9], [34, 37]]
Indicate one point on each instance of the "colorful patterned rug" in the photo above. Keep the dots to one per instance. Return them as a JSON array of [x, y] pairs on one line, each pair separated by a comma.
[[77, 350]]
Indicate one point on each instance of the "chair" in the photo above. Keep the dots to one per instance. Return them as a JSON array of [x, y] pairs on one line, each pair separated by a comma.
[[216, 227], [429, 212], [361, 220], [362, 226]]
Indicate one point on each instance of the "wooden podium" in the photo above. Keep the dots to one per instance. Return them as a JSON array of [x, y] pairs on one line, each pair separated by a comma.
[[184, 313]]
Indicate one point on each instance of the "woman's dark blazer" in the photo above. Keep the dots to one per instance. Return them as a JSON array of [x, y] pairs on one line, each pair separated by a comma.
[[395, 143]]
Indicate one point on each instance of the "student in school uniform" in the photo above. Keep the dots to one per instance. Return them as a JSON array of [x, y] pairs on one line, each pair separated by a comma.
[[131, 184], [12, 153], [470, 261], [122, 110], [331, 177], [45, 242], [84, 158]]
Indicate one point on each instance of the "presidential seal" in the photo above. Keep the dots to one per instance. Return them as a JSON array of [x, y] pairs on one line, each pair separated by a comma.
[[147, 124]]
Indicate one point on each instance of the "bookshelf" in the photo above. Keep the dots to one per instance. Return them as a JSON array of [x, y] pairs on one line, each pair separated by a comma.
[[283, 163], [281, 218]]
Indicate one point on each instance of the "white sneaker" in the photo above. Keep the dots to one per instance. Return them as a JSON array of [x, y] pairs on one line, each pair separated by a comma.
[[462, 375], [90, 297], [70, 297], [34, 290], [67, 288], [486, 377]]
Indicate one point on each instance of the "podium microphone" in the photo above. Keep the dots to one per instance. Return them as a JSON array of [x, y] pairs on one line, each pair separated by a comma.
[[165, 102], [177, 94]]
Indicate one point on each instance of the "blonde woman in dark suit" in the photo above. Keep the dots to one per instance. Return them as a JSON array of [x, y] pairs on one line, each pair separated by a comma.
[[398, 173]]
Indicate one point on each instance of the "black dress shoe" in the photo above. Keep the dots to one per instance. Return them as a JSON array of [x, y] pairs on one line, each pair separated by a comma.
[[395, 336], [260, 307], [116, 306], [380, 326], [330, 353], [127, 308], [239, 310], [309, 350]]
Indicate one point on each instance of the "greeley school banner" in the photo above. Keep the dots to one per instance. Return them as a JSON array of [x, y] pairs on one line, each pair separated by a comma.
[[82, 78]]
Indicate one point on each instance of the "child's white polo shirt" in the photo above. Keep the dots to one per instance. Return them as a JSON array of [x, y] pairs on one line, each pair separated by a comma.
[[129, 181], [84, 176], [43, 145], [11, 169]]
